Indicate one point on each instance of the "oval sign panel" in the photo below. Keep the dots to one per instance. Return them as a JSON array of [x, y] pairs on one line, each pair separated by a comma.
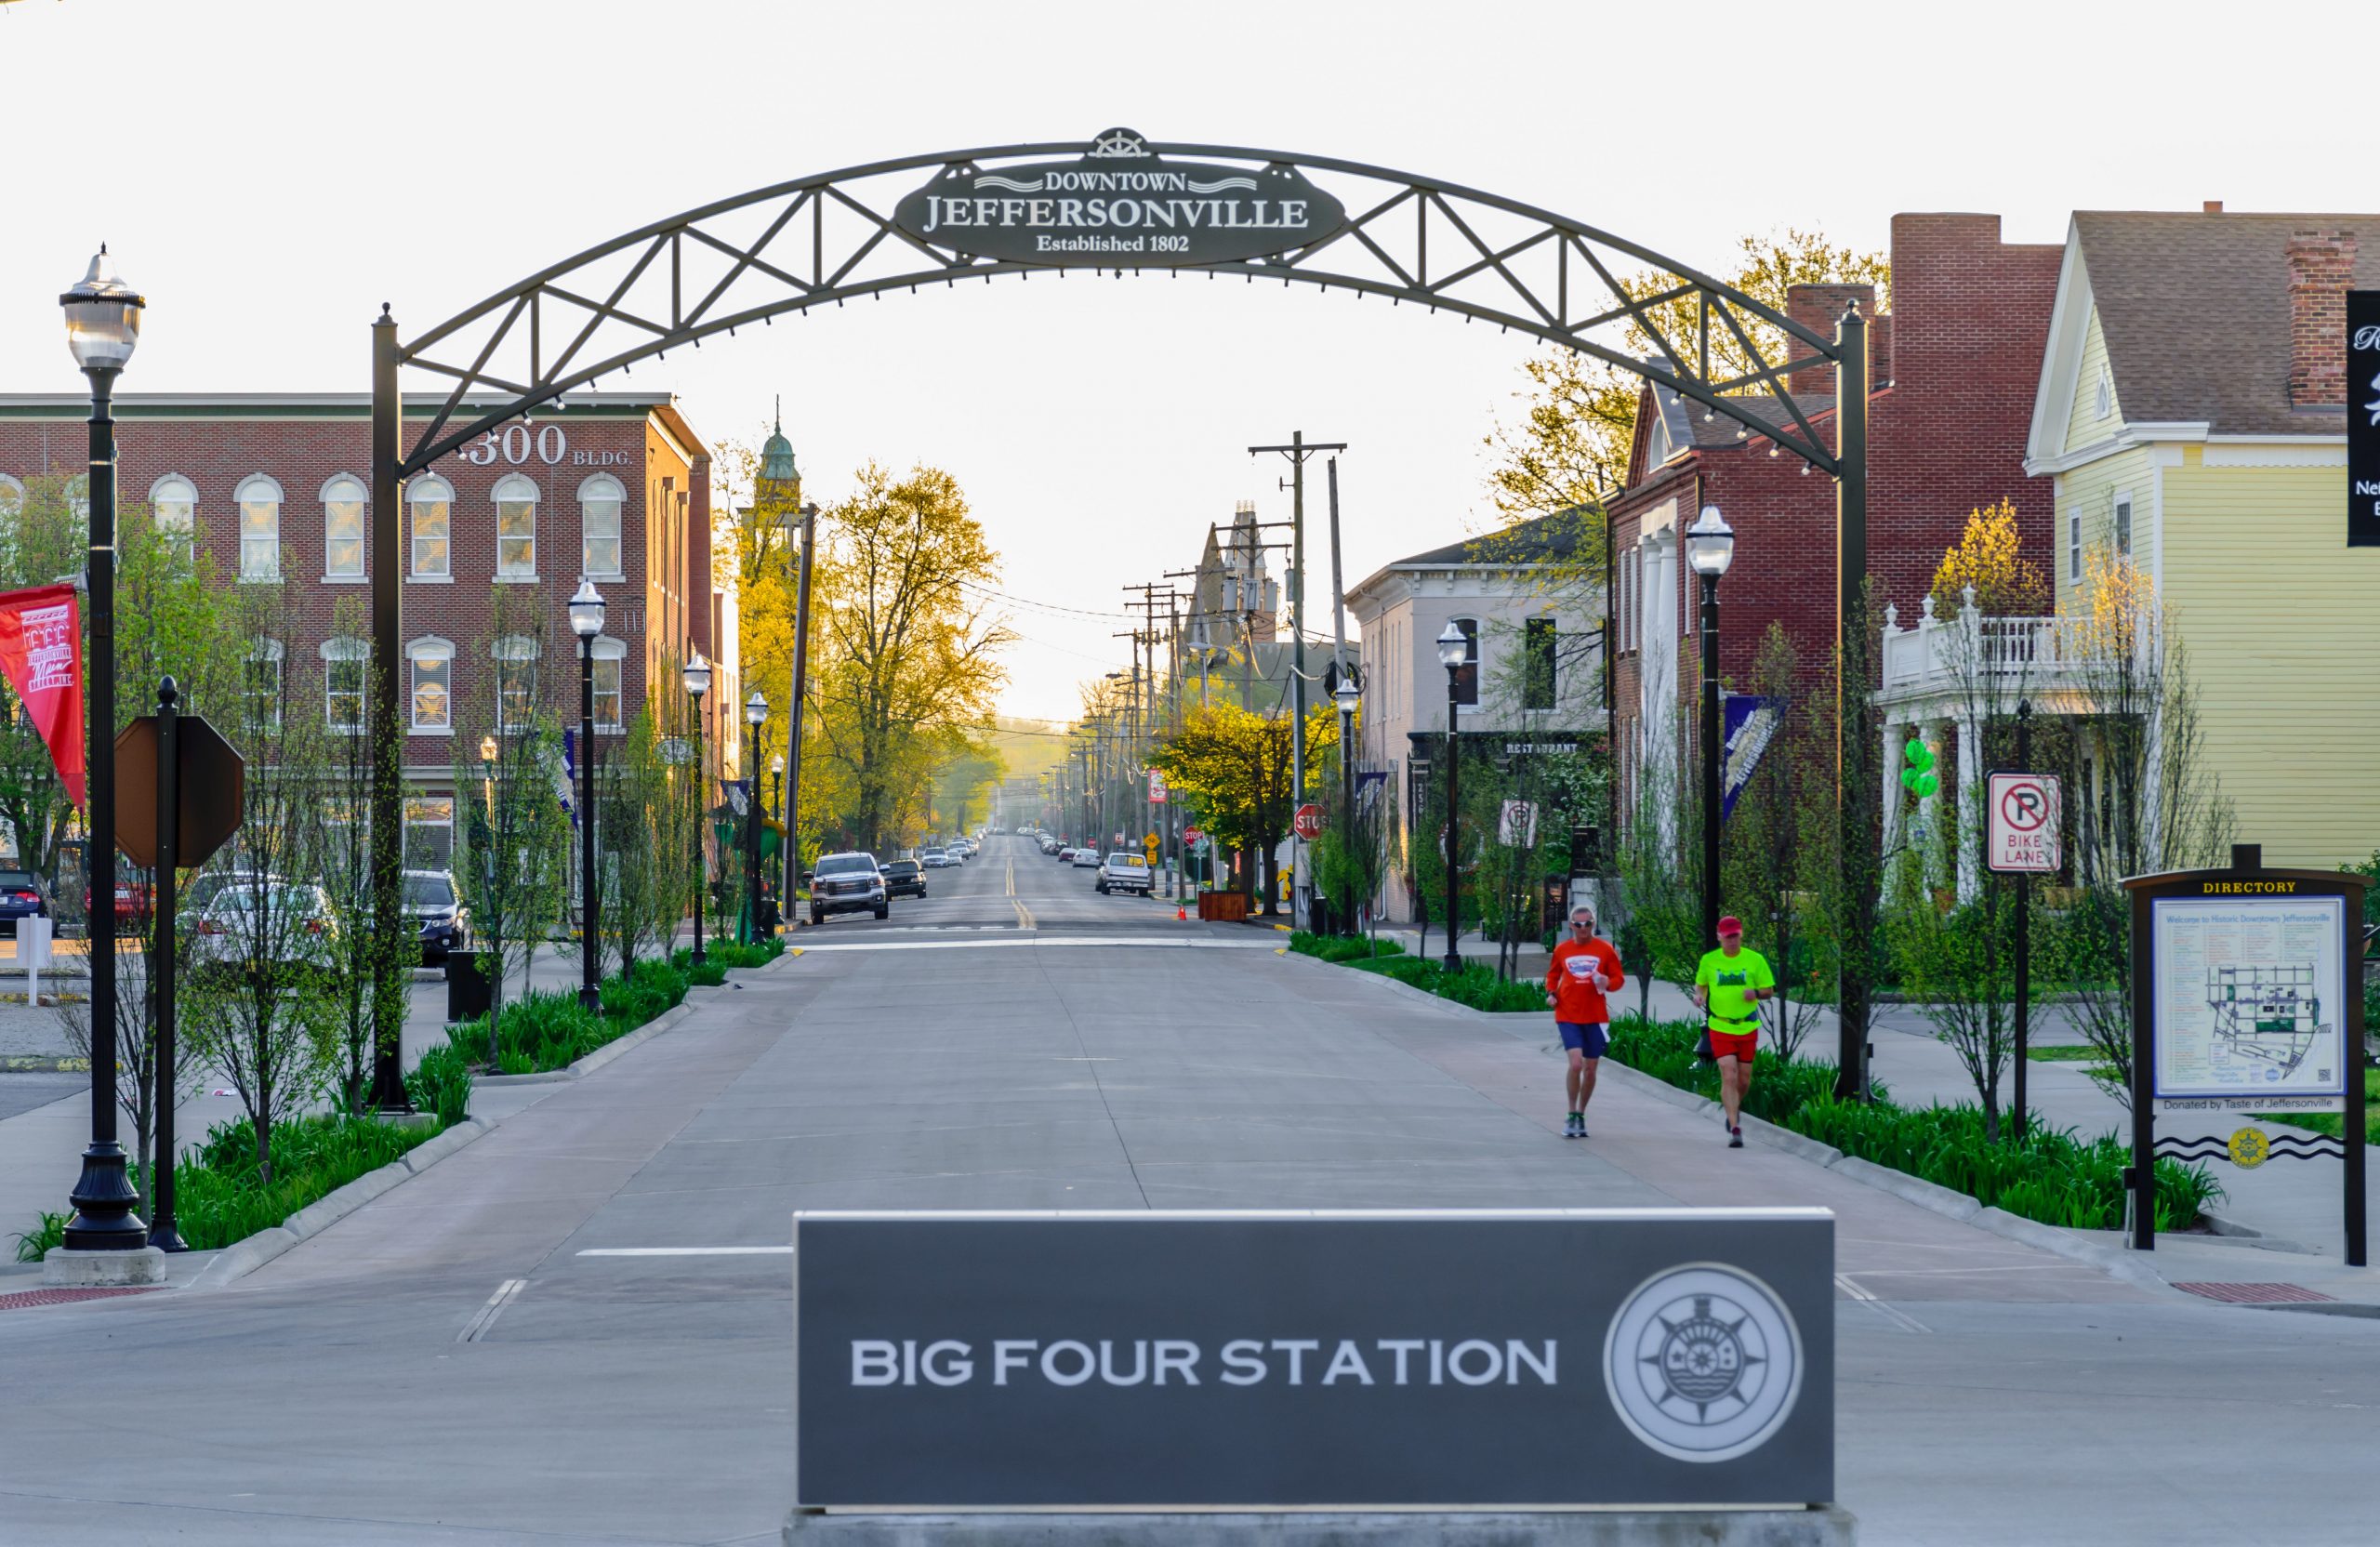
[[1120, 203]]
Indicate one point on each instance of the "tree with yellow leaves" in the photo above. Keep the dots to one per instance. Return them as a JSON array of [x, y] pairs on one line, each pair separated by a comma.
[[1989, 556]]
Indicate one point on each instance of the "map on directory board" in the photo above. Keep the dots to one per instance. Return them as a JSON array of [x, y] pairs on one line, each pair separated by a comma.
[[2248, 1003]]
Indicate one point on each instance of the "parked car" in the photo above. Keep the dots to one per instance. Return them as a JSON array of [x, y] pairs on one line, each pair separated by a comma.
[[293, 931], [131, 900], [1048, 844], [438, 912], [1084, 858], [1124, 871], [905, 878], [849, 882], [1066, 853], [20, 897], [933, 859]]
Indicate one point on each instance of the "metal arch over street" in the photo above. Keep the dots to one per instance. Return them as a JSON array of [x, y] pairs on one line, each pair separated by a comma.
[[832, 238], [842, 236]]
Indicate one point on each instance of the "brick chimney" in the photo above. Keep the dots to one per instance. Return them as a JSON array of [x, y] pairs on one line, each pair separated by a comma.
[[1818, 307], [2321, 267]]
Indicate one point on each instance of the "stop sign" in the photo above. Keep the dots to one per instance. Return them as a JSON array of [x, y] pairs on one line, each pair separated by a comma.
[[1192, 835], [1308, 822]]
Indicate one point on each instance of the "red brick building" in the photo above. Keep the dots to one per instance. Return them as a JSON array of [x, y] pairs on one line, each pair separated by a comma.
[[1954, 365], [615, 488]]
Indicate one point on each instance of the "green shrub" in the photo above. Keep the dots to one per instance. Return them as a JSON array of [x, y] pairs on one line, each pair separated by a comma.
[[2053, 1177], [441, 1084], [35, 1244], [1340, 948], [1475, 985], [219, 1197], [730, 953]]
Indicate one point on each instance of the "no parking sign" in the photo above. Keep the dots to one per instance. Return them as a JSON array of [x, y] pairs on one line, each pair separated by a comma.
[[2023, 824]]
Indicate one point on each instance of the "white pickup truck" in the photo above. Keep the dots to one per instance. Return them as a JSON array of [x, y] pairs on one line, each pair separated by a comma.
[[1123, 871]]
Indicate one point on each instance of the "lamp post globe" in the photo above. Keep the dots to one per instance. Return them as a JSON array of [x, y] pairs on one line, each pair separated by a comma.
[[756, 714], [102, 326], [1454, 653], [696, 674], [1710, 549], [586, 622]]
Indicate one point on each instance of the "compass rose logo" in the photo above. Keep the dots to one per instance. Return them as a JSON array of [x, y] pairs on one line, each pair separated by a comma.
[[1703, 1362]]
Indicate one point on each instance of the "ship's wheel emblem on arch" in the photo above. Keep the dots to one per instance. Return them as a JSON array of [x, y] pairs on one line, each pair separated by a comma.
[[1703, 1362], [1119, 142]]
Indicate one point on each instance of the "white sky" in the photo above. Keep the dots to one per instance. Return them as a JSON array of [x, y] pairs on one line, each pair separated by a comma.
[[268, 173]]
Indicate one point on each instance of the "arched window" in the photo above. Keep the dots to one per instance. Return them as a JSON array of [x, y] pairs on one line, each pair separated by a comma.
[[343, 676], [343, 528], [433, 661], [172, 502], [430, 501], [599, 524], [611, 659], [516, 682], [1466, 675], [263, 684], [260, 501], [516, 528]]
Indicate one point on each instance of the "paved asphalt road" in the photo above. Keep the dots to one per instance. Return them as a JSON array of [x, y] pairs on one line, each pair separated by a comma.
[[985, 1049]]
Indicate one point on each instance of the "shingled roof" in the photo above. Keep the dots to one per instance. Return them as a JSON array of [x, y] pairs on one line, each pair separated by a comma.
[[1539, 540], [2196, 311]]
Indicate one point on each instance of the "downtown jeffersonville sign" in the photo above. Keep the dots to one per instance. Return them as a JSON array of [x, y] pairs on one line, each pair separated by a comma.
[[1120, 203]]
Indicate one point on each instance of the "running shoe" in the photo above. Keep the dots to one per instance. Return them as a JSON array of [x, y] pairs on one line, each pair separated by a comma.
[[1735, 1138]]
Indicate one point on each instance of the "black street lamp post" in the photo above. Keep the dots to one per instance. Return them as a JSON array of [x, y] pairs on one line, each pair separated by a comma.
[[697, 678], [587, 621], [1454, 651], [1348, 696], [756, 714], [1709, 547], [102, 325]]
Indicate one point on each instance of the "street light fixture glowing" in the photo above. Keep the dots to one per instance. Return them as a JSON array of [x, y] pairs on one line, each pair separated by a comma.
[[776, 764], [756, 709], [697, 675], [1454, 647], [585, 610], [1711, 543], [102, 317], [1348, 696], [487, 748]]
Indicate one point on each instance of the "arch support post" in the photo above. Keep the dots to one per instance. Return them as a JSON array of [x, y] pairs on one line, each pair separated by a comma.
[[1857, 852], [390, 967]]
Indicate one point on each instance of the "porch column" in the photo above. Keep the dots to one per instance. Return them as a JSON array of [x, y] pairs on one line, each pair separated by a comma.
[[1891, 764], [1970, 808]]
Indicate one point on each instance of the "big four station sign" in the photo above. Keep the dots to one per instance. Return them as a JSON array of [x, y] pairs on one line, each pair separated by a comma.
[[1120, 204]]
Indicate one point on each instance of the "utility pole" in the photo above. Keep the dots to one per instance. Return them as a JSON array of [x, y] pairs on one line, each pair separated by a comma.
[[1296, 451], [792, 855]]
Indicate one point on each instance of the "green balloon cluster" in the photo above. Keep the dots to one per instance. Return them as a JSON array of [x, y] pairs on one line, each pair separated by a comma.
[[1917, 770]]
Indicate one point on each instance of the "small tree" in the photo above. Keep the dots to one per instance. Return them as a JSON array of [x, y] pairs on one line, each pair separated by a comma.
[[1660, 878], [361, 955], [512, 859], [1767, 856], [1959, 961], [264, 989]]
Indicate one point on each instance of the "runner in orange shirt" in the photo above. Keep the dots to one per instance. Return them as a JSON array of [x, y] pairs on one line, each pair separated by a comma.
[[1583, 970]]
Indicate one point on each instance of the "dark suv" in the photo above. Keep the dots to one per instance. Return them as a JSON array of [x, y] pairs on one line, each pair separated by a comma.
[[904, 878], [848, 883]]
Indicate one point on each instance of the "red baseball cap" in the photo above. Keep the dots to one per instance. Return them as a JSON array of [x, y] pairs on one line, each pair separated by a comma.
[[1731, 925]]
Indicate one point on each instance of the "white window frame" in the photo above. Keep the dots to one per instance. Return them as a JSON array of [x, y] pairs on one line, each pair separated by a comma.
[[603, 486], [432, 649], [614, 653], [345, 488], [173, 488], [1475, 657], [510, 490], [2119, 523], [514, 648], [337, 653], [2103, 394], [430, 489], [258, 489]]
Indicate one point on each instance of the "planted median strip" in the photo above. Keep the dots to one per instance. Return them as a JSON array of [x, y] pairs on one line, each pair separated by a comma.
[[224, 1196], [2051, 1177]]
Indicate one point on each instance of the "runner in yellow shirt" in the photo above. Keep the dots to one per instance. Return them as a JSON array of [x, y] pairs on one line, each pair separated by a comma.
[[1727, 985]]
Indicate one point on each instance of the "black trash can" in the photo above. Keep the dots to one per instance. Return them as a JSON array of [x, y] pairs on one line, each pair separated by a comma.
[[468, 993]]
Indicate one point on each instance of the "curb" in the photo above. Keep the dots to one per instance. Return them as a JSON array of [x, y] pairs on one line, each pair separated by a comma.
[[1925, 1194], [243, 1257], [597, 1059]]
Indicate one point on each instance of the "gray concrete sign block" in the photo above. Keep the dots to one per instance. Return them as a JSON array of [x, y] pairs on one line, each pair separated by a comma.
[[1357, 1360]]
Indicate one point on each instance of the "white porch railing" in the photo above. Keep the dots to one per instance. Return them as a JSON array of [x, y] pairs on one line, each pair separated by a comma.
[[1939, 652]]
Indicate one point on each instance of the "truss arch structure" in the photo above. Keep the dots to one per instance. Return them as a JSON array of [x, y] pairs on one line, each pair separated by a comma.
[[832, 238]]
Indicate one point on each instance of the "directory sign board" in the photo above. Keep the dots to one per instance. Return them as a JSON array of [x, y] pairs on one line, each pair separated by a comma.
[[2248, 1009], [2364, 419], [1550, 1358], [2022, 822]]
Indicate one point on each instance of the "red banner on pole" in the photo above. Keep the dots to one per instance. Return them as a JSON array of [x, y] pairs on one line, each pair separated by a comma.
[[41, 654]]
